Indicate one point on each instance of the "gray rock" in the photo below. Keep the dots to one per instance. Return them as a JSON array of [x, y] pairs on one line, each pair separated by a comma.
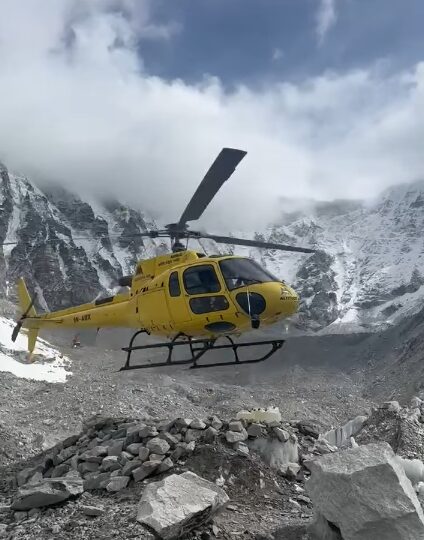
[[110, 463], [366, 494], [148, 468], [179, 452], [133, 436], [157, 446], [129, 467], [148, 431], [96, 481], [115, 448], [47, 493], [166, 465], [179, 503], [182, 422], [156, 457], [236, 425], [241, 448], [170, 439], [190, 447], [26, 474], [282, 434], [255, 430], [197, 424], [117, 483], [87, 467], [64, 455], [193, 435], [94, 454], [134, 448], [290, 471], [143, 453], [60, 470], [236, 436], [92, 511], [210, 434], [216, 423]]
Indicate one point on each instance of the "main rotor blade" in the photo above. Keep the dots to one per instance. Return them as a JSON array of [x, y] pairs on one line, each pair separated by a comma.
[[220, 171], [145, 234], [253, 243]]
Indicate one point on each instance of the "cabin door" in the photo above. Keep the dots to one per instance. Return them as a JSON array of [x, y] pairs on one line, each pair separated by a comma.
[[177, 300]]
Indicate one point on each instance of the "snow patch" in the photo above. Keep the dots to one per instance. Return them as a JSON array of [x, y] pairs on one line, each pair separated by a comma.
[[48, 365]]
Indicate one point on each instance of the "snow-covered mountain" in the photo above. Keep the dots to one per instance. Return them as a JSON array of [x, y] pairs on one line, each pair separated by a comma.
[[368, 271], [370, 268]]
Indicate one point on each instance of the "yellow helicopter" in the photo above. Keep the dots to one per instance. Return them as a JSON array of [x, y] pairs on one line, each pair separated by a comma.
[[188, 297]]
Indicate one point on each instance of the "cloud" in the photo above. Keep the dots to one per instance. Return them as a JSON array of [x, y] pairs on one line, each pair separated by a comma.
[[277, 54], [78, 107], [326, 18]]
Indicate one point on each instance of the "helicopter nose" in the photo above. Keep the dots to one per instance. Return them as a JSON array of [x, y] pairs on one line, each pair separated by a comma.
[[281, 301], [268, 301]]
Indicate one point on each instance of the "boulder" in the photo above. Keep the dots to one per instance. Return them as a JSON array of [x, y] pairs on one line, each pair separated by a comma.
[[255, 430], [236, 436], [365, 493], [116, 448], [236, 425], [92, 511], [148, 468], [148, 431], [179, 503], [241, 448], [282, 434], [134, 448], [96, 481], [117, 483], [210, 434], [158, 446], [193, 435], [47, 492], [197, 424], [143, 453]]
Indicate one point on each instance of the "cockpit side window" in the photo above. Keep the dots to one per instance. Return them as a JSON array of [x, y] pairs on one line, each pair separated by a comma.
[[201, 280], [239, 272], [174, 284]]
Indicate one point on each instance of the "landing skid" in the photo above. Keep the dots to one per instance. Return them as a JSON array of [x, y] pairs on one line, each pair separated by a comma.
[[198, 349]]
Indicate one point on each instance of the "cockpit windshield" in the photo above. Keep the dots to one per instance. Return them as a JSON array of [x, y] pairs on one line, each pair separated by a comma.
[[239, 272]]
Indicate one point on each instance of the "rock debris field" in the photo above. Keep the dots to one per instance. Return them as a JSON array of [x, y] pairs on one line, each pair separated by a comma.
[[227, 455]]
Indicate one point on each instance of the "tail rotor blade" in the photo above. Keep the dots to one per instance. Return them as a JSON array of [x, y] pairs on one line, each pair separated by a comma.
[[16, 331], [19, 324]]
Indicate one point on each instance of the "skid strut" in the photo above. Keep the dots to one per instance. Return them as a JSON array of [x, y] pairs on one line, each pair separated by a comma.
[[198, 348]]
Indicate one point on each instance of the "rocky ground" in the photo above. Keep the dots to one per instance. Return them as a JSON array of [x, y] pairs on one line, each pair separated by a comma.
[[317, 384]]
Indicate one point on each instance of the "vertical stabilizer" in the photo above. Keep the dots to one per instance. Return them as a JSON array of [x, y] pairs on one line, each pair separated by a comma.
[[32, 340], [25, 302]]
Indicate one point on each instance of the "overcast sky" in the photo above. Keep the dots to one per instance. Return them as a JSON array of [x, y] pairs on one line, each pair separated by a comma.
[[136, 98]]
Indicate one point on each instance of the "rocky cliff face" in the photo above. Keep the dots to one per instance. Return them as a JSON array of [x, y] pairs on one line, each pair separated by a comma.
[[84, 254], [368, 271]]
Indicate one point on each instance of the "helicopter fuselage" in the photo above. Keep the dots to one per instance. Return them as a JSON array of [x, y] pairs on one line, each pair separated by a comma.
[[186, 293]]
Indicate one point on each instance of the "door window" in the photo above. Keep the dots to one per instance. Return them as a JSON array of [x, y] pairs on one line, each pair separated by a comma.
[[206, 304], [174, 284], [201, 280]]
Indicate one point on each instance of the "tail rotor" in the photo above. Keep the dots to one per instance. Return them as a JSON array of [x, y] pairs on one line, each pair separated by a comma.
[[26, 304]]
